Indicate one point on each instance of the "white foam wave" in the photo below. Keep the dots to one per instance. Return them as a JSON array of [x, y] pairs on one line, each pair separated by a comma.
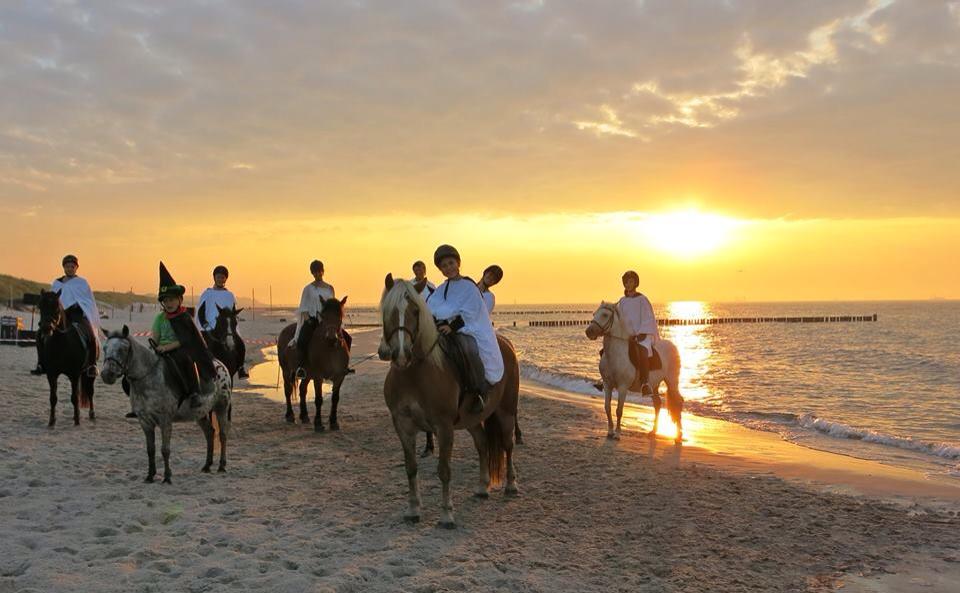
[[844, 431]]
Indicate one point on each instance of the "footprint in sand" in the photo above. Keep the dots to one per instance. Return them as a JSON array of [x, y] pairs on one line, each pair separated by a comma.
[[105, 532]]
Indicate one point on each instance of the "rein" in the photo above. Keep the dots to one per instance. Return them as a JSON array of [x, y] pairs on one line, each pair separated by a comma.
[[605, 331], [123, 365], [413, 339]]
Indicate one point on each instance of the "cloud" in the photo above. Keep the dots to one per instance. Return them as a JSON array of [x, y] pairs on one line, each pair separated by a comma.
[[512, 105]]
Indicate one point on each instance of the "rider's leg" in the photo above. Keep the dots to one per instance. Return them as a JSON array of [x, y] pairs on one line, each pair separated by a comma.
[[242, 355], [39, 342], [643, 369], [303, 344]]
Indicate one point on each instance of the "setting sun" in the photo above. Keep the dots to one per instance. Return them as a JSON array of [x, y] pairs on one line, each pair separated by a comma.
[[689, 233]]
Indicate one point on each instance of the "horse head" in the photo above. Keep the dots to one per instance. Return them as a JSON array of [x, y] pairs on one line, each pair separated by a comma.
[[604, 319], [331, 319], [226, 324], [117, 353], [407, 325], [52, 315]]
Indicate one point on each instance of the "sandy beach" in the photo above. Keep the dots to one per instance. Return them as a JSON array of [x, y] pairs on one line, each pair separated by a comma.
[[731, 510]]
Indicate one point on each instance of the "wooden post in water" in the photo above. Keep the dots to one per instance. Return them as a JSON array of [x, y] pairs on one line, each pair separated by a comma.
[[253, 303]]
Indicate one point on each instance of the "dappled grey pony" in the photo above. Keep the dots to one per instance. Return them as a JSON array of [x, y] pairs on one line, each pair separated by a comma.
[[154, 396], [619, 373]]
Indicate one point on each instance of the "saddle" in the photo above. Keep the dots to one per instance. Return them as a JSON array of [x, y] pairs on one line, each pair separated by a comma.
[[186, 377], [85, 330], [462, 352], [656, 363]]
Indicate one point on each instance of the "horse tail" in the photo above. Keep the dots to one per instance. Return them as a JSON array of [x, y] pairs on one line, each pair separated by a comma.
[[674, 399], [86, 390], [496, 450]]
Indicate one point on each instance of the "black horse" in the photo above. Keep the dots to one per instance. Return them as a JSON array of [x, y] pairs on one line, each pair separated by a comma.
[[224, 343], [67, 347]]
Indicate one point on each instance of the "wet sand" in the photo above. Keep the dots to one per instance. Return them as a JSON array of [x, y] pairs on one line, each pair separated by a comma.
[[306, 511]]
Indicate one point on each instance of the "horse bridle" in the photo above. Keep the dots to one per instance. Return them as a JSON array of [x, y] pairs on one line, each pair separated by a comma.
[[123, 365], [413, 340], [605, 330]]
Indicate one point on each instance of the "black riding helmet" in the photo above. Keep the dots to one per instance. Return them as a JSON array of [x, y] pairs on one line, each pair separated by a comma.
[[221, 270], [445, 251]]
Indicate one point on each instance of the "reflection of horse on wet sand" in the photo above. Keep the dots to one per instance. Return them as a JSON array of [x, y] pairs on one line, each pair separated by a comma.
[[422, 392], [328, 357], [619, 373]]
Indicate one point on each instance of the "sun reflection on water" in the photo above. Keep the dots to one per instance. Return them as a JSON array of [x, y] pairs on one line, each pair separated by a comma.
[[696, 351]]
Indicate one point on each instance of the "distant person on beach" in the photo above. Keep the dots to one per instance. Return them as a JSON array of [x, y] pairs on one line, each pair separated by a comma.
[[78, 303], [178, 338], [637, 313], [211, 301], [491, 277], [423, 286], [311, 301], [460, 313]]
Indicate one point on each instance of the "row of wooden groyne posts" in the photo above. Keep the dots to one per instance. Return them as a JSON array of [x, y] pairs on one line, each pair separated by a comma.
[[721, 320]]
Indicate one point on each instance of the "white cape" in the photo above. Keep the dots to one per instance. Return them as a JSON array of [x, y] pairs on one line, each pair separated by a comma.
[[212, 298], [76, 291], [462, 297]]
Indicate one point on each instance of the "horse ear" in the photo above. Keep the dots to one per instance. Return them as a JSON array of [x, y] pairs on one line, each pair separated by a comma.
[[59, 291], [218, 308], [125, 332], [343, 301], [388, 281], [237, 311], [105, 332]]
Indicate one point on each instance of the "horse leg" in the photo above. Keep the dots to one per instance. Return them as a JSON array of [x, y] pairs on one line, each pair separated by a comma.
[[445, 443], [657, 404], [87, 386], [318, 405], [288, 395], [165, 429], [334, 402], [480, 441], [509, 428], [675, 406], [408, 439], [206, 425], [151, 436], [303, 385], [621, 397], [607, 396], [428, 447], [52, 380], [75, 399], [223, 430], [518, 436]]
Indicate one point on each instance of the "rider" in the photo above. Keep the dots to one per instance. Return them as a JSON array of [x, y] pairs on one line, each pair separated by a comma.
[[177, 337], [424, 287], [311, 302], [491, 277], [81, 308], [211, 301], [637, 313], [460, 312]]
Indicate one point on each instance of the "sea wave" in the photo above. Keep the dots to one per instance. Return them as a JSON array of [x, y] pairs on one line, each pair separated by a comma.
[[760, 420]]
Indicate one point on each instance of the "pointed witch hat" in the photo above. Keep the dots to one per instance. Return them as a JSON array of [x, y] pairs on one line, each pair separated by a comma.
[[169, 286]]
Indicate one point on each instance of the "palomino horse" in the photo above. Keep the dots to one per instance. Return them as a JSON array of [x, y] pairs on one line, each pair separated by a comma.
[[327, 358], [223, 340], [422, 392], [618, 372], [64, 351], [154, 397]]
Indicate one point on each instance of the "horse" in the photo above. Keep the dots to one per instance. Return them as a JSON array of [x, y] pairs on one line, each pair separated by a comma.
[[155, 398], [422, 392], [223, 341], [65, 351], [327, 358], [618, 372]]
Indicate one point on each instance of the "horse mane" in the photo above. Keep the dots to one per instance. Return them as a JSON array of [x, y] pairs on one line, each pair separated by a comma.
[[333, 303], [427, 335]]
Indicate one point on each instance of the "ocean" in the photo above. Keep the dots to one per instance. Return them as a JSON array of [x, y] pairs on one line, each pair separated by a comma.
[[887, 390]]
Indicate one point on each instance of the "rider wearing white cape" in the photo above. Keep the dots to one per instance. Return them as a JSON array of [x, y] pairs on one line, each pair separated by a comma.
[[75, 290], [211, 302], [641, 323], [458, 307]]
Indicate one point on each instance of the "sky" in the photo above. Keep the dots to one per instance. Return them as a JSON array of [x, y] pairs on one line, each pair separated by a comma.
[[726, 150]]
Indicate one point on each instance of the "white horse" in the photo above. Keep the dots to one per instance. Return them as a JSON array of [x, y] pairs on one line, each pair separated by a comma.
[[618, 372], [154, 398]]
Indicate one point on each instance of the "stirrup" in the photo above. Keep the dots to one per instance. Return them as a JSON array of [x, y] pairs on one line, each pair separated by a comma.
[[351, 371], [37, 371], [478, 404]]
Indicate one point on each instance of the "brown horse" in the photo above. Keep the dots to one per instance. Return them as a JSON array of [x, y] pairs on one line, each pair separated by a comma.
[[422, 392], [328, 358]]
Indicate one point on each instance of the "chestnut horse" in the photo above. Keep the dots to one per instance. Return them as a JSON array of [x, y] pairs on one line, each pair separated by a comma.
[[422, 392], [327, 358]]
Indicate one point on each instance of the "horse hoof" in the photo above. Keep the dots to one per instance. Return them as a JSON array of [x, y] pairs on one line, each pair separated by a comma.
[[411, 518], [93, 416], [334, 426], [482, 494], [447, 524], [167, 481], [318, 428], [304, 419], [205, 469], [511, 491], [221, 470], [148, 480], [291, 418], [76, 422], [426, 453], [616, 436], [610, 436], [652, 434], [518, 441]]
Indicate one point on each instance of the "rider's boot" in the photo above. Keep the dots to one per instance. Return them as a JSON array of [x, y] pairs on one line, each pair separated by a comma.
[[242, 373]]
